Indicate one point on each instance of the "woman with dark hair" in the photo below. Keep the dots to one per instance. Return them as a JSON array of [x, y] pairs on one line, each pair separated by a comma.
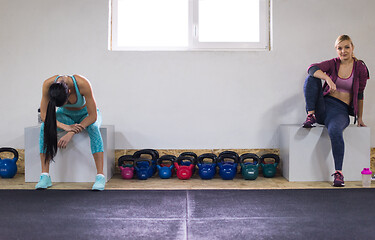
[[345, 80], [77, 111]]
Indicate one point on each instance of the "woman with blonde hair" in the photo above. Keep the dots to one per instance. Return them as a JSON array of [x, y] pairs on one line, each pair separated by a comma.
[[341, 95]]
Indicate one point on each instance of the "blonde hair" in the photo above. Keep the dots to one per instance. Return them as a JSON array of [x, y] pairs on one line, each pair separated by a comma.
[[342, 38]]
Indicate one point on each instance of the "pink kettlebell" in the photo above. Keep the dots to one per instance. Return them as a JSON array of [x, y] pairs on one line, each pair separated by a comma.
[[127, 170]]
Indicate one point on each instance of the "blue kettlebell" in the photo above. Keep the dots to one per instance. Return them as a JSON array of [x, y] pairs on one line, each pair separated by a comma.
[[269, 169], [165, 170], [207, 170], [8, 167], [227, 162], [249, 170], [143, 168], [152, 153]]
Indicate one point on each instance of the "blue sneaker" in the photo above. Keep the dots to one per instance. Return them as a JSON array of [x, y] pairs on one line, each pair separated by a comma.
[[44, 182], [99, 183]]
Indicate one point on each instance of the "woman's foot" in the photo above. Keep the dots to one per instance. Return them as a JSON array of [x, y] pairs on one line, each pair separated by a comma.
[[338, 180], [44, 182], [310, 121], [99, 183]]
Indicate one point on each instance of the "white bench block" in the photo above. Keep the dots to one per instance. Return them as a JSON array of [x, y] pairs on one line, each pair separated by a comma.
[[73, 164], [306, 154]]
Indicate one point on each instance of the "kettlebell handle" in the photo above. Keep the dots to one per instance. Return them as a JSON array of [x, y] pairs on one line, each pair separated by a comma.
[[125, 158], [228, 154], [186, 157], [170, 158], [211, 156], [191, 154], [270, 155], [11, 150], [153, 153], [253, 156]]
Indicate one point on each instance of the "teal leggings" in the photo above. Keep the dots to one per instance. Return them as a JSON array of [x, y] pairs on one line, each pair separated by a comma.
[[71, 117]]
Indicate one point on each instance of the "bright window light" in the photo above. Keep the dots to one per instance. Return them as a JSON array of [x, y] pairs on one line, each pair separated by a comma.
[[228, 20], [189, 25], [152, 23]]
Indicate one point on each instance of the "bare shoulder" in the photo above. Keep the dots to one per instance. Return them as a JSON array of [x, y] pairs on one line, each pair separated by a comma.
[[47, 83], [83, 84]]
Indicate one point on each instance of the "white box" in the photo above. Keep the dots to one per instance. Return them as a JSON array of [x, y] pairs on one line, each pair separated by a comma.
[[306, 154], [73, 164]]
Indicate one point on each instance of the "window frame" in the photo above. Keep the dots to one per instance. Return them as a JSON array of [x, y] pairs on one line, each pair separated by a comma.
[[193, 29]]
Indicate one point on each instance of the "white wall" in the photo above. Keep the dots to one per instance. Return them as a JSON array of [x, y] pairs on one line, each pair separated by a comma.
[[175, 99]]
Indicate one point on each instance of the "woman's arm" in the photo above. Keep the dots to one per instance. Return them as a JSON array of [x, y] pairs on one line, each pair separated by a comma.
[[320, 74], [86, 91], [360, 113]]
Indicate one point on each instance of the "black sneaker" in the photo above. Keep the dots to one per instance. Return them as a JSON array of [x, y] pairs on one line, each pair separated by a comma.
[[310, 121], [338, 180]]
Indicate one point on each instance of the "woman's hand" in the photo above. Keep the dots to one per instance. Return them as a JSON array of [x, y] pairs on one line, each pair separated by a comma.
[[75, 128], [360, 123], [332, 85], [64, 140]]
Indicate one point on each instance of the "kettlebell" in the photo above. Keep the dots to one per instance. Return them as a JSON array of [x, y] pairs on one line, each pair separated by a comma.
[[165, 170], [143, 168], [269, 169], [154, 157], [187, 163], [228, 169], [127, 170], [249, 170], [207, 170], [184, 170], [8, 167]]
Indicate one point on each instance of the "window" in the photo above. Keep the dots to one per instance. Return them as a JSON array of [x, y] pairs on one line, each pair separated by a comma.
[[189, 24]]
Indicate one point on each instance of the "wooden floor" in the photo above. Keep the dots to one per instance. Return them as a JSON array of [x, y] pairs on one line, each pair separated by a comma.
[[155, 183]]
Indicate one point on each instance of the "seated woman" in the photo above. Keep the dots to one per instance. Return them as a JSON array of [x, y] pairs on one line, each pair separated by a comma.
[[77, 111], [341, 95]]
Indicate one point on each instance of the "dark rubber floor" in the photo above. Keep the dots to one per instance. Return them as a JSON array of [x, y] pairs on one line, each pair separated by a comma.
[[195, 214]]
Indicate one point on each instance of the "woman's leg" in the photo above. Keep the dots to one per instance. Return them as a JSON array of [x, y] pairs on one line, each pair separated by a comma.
[[336, 121], [97, 150], [313, 92], [45, 180], [96, 142]]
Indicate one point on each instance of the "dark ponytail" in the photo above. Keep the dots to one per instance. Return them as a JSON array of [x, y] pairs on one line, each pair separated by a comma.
[[58, 96]]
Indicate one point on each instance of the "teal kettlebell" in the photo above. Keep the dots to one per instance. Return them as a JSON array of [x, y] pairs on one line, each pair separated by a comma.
[[249, 170], [269, 169]]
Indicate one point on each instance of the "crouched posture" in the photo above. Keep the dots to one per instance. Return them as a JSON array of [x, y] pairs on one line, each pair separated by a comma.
[[341, 95], [77, 111]]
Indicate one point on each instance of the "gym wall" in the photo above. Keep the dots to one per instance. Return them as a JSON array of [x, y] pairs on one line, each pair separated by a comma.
[[178, 99]]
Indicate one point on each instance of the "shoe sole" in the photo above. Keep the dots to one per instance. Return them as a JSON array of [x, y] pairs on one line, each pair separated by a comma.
[[341, 185], [42, 188], [308, 126]]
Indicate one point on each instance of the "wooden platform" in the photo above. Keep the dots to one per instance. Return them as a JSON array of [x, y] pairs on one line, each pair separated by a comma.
[[155, 183]]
